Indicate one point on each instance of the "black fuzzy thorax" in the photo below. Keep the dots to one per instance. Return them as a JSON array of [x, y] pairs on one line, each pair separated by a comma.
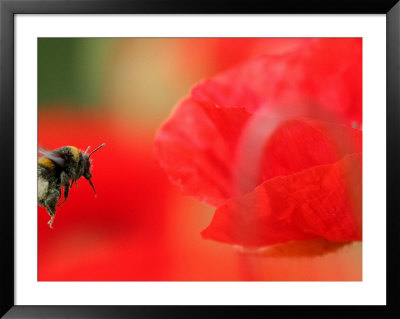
[[72, 167]]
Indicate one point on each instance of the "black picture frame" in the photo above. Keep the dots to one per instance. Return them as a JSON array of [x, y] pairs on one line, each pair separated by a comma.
[[8, 10]]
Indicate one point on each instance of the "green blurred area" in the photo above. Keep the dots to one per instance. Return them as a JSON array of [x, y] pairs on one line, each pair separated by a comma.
[[136, 78], [71, 70]]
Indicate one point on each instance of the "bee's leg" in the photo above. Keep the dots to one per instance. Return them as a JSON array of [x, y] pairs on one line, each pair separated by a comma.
[[51, 203], [66, 191], [51, 220], [64, 182]]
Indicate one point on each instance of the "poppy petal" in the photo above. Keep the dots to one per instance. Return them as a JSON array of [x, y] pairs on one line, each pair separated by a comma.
[[297, 248], [196, 154], [321, 202], [299, 144], [321, 79], [214, 153]]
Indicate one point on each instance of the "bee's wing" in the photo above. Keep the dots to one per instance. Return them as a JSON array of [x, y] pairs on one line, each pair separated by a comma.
[[52, 156]]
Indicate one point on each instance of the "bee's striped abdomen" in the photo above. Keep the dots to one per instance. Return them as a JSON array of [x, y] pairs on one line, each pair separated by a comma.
[[46, 163], [43, 186]]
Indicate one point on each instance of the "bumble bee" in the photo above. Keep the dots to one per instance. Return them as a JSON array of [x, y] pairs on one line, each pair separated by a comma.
[[61, 168]]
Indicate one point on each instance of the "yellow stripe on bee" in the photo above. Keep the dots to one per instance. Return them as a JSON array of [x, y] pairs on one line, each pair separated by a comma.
[[75, 152], [47, 163]]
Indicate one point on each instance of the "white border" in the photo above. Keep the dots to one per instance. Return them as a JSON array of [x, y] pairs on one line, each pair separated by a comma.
[[373, 288]]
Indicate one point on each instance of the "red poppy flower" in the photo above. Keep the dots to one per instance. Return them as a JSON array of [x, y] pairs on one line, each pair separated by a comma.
[[275, 144]]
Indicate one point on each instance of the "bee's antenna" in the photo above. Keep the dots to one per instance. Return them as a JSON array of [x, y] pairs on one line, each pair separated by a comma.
[[97, 149], [87, 150]]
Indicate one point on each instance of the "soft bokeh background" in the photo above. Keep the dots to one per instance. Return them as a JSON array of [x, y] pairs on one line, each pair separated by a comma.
[[140, 227]]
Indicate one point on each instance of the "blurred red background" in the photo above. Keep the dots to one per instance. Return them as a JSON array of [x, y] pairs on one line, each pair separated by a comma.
[[140, 227]]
